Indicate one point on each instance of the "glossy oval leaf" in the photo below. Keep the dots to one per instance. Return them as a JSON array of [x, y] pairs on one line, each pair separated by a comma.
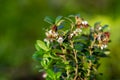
[[42, 45], [58, 74], [58, 19], [49, 20], [51, 74]]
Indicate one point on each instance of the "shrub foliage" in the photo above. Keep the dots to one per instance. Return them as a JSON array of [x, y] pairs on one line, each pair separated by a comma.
[[72, 49]]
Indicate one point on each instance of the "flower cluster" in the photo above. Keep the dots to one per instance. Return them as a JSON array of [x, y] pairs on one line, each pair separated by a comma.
[[80, 23], [53, 35], [101, 38]]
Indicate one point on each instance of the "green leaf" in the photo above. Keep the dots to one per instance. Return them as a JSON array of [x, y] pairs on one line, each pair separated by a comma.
[[97, 23], [104, 27], [107, 51], [45, 62], [50, 55], [68, 67], [37, 47], [58, 74], [58, 19], [60, 27], [78, 46], [53, 56], [41, 70], [69, 19], [38, 55], [48, 78], [42, 45], [66, 62], [49, 20], [91, 58], [42, 64], [74, 15], [46, 55], [71, 16], [59, 23], [77, 15], [51, 74]]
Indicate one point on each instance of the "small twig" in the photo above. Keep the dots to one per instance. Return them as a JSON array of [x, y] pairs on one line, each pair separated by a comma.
[[76, 60], [90, 62], [64, 58]]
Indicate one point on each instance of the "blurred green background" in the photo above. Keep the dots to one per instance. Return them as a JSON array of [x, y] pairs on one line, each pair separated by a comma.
[[21, 24]]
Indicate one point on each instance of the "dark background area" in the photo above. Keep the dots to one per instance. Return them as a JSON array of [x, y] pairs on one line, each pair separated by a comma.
[[21, 24]]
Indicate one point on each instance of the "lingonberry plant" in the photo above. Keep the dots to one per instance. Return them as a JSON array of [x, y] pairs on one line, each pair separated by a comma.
[[72, 49]]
